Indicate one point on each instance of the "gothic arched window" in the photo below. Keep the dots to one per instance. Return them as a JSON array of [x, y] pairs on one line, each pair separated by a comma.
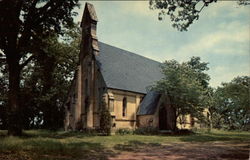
[[86, 87], [124, 106]]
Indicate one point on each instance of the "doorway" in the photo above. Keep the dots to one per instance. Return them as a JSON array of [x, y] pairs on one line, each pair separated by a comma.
[[163, 125]]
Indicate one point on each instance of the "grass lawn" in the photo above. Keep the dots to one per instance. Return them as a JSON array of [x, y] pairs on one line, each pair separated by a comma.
[[47, 145]]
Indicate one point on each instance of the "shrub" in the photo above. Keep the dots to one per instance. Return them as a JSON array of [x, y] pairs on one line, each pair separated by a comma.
[[183, 132], [90, 132], [146, 131], [105, 122], [124, 131]]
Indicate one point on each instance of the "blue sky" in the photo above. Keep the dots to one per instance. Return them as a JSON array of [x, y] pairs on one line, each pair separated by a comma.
[[221, 36]]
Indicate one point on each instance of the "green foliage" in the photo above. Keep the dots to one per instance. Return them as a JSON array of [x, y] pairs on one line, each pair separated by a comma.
[[24, 28], [185, 84], [90, 132], [105, 120], [243, 2], [232, 104], [199, 69], [3, 95], [45, 82], [138, 131], [123, 131], [43, 144], [183, 13], [146, 131]]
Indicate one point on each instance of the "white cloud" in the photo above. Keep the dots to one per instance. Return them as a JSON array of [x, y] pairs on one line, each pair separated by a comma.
[[220, 42], [221, 74], [138, 7], [224, 9], [222, 32]]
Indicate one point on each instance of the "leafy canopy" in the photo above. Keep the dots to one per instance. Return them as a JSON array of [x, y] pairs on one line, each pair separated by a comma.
[[183, 12], [24, 25], [45, 82], [26, 22], [185, 85], [232, 104]]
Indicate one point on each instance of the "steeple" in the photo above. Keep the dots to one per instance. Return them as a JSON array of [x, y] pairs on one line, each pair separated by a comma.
[[88, 25]]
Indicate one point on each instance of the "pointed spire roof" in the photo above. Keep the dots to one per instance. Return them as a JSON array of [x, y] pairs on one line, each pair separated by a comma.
[[90, 11]]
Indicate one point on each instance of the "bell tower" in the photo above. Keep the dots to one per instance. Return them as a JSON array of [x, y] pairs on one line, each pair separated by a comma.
[[86, 73], [88, 25]]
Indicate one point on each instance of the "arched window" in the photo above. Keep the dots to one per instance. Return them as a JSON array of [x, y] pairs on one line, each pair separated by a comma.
[[86, 87], [111, 102], [124, 106]]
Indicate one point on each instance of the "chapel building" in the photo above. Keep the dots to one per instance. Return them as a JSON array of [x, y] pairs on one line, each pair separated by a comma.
[[120, 79]]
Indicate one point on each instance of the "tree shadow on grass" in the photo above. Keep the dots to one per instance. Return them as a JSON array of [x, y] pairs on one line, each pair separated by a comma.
[[80, 150], [57, 134], [53, 149], [44, 134]]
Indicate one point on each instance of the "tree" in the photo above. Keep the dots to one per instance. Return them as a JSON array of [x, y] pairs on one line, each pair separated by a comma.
[[231, 104], [199, 68], [46, 81], [3, 95], [23, 26], [44, 85], [183, 12], [184, 84]]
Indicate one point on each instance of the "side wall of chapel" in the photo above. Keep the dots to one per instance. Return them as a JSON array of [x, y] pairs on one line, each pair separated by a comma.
[[123, 106]]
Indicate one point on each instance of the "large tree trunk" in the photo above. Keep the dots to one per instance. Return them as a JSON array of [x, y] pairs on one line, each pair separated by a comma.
[[171, 115], [49, 107], [171, 118], [174, 122], [14, 110]]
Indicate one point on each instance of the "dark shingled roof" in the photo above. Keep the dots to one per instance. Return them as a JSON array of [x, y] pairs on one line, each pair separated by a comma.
[[125, 70], [149, 103]]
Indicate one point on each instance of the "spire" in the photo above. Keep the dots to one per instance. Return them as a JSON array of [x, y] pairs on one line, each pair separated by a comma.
[[88, 24], [91, 11]]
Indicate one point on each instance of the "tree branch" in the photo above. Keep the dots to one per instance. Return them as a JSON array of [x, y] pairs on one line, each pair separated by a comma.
[[45, 11], [2, 60], [26, 34], [26, 62], [19, 8], [202, 8]]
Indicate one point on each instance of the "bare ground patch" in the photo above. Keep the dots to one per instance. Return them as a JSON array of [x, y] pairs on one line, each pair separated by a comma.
[[183, 150], [46, 145]]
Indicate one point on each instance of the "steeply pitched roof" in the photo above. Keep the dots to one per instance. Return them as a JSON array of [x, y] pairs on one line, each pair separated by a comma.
[[91, 9], [149, 103], [125, 70]]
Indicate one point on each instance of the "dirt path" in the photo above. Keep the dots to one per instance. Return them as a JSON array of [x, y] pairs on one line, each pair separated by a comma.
[[137, 150], [184, 151]]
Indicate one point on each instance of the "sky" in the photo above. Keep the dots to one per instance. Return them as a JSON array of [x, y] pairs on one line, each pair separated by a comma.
[[220, 37]]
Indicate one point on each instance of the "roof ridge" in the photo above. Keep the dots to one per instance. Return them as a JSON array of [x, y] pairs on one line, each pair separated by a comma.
[[131, 52]]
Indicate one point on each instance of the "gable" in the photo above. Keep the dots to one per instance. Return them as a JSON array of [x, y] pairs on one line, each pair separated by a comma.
[[149, 103], [125, 70]]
